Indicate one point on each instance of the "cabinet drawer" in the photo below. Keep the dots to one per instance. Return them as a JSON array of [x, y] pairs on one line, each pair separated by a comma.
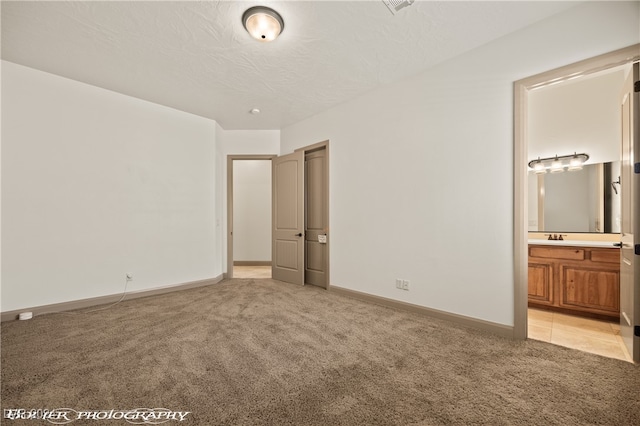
[[606, 256], [557, 253]]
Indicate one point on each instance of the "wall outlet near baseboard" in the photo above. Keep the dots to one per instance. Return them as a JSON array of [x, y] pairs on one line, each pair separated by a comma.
[[402, 284]]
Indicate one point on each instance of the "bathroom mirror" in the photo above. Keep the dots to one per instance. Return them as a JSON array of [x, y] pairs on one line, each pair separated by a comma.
[[586, 200]]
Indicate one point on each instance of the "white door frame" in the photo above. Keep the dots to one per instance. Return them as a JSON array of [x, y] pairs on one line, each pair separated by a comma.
[[230, 159], [520, 209]]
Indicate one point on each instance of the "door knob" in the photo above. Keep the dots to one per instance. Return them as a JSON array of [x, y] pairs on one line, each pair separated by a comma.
[[299, 235]]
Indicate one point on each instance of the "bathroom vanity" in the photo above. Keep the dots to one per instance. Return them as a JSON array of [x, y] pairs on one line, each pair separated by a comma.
[[575, 277]]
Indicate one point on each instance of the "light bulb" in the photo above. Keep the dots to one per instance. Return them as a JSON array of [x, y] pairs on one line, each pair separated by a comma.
[[557, 166], [575, 163]]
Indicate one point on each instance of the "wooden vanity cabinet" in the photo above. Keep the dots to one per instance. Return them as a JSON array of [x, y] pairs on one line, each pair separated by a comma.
[[576, 280]]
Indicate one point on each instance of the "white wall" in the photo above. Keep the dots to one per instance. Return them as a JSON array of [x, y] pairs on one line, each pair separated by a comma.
[[96, 184], [249, 142], [422, 170], [581, 115], [252, 210]]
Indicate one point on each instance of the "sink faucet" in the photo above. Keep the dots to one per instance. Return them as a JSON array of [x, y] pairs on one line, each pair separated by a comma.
[[556, 237]]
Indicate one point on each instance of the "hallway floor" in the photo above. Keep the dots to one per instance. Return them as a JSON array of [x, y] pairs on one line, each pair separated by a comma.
[[584, 334], [252, 271]]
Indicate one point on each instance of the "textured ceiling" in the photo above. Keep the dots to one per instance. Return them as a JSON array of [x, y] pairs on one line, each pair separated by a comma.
[[197, 57]]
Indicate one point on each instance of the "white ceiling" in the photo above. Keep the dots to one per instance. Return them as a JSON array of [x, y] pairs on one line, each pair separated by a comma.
[[197, 57]]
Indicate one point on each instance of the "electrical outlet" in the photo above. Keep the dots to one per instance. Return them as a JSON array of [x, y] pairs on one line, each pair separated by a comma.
[[402, 284], [129, 276]]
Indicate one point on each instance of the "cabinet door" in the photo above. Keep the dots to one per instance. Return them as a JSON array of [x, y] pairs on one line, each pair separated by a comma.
[[540, 283], [592, 290]]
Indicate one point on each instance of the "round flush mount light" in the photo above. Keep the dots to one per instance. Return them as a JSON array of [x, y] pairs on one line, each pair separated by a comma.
[[263, 23], [254, 111]]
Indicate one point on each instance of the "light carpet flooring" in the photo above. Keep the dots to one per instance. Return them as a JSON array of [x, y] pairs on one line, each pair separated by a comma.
[[584, 334], [263, 352], [587, 335]]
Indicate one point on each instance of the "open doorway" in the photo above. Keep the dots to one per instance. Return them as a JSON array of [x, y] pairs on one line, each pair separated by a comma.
[[296, 219], [249, 216], [553, 284]]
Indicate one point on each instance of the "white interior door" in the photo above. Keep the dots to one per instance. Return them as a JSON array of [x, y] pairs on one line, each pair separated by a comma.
[[630, 226], [288, 218]]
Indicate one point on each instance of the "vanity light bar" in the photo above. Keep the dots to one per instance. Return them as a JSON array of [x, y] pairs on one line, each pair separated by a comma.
[[558, 163]]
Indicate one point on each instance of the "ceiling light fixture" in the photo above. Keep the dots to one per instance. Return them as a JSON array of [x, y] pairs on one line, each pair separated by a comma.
[[557, 164], [263, 23]]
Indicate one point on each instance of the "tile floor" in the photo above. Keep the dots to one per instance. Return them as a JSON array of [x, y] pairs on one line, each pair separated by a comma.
[[252, 272], [598, 337], [584, 334]]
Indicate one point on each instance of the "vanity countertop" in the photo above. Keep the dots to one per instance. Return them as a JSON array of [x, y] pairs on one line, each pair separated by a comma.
[[576, 243]]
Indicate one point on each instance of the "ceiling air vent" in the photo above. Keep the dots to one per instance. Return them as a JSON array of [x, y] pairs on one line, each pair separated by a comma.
[[395, 5]]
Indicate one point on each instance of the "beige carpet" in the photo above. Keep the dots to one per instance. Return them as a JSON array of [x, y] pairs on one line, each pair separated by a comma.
[[262, 352]]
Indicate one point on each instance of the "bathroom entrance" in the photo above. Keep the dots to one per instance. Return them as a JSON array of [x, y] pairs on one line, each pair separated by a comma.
[[570, 168]]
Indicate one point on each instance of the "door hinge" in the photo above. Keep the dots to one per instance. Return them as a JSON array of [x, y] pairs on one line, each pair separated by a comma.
[[636, 86], [636, 331]]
